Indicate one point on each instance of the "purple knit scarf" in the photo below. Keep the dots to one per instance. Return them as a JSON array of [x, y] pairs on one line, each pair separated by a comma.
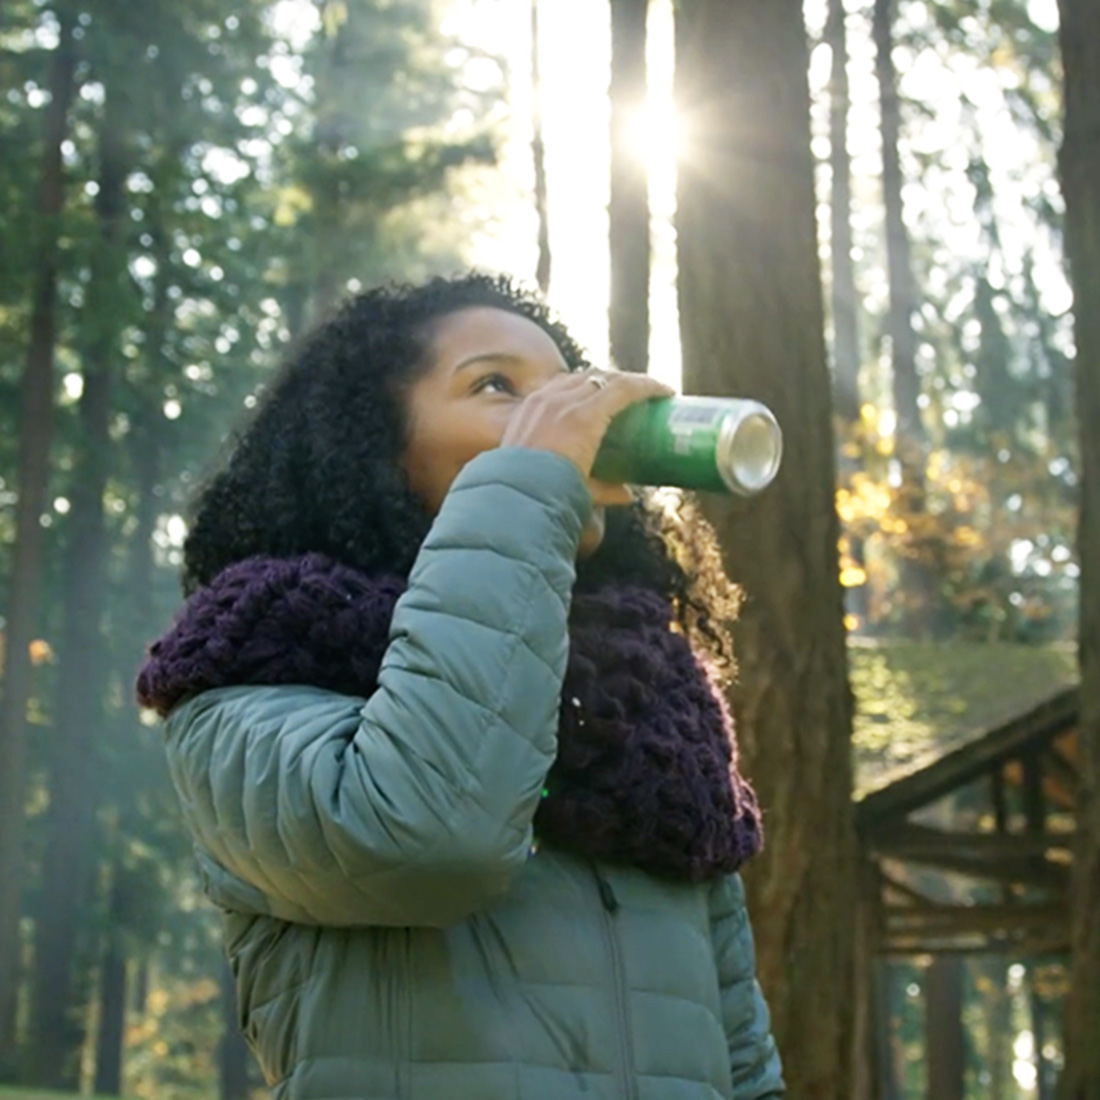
[[646, 771]]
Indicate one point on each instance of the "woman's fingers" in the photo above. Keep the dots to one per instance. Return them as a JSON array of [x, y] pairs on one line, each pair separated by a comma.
[[618, 390], [606, 494], [571, 414]]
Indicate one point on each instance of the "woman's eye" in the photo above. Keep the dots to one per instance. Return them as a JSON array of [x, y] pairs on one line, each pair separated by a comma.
[[495, 383]]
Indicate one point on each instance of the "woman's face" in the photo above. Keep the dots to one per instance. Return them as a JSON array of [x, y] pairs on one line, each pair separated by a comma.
[[482, 363]]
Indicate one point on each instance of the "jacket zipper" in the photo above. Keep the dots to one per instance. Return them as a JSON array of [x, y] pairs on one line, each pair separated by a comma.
[[610, 906]]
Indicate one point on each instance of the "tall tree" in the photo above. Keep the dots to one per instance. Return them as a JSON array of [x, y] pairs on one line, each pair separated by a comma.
[[843, 299], [57, 1033], [844, 303], [911, 435], [752, 326], [35, 433], [1080, 168], [629, 207], [917, 587], [360, 165], [538, 154]]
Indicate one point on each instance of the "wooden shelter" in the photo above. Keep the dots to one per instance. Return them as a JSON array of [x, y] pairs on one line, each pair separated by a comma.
[[966, 769], [972, 851]]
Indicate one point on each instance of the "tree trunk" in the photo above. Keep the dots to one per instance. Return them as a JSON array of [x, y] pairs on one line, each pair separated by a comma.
[[903, 294], [629, 208], [112, 998], [1080, 167], [844, 301], [917, 587], [35, 433], [752, 325], [332, 135], [57, 1028], [538, 152], [943, 1000], [845, 307]]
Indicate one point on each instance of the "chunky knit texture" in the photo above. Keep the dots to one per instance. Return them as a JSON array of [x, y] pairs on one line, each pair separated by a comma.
[[646, 772]]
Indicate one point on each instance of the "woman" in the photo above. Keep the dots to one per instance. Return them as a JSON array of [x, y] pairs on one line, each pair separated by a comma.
[[458, 782]]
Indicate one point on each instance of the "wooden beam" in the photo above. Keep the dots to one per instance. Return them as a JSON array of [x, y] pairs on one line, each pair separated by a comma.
[[1000, 816], [1035, 728], [1029, 947], [976, 918], [915, 841], [980, 859], [906, 891]]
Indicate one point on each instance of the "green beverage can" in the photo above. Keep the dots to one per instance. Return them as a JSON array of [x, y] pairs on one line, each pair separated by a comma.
[[718, 444]]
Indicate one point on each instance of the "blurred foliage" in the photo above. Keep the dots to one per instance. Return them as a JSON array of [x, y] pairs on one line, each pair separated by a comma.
[[993, 525]]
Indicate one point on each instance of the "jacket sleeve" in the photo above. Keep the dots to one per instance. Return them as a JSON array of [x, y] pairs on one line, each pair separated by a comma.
[[754, 1059], [413, 807]]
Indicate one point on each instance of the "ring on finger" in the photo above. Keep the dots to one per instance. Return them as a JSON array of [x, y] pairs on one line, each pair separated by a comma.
[[598, 379]]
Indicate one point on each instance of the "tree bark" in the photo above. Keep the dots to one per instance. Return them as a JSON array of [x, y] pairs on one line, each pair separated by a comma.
[[752, 325], [1080, 169], [57, 1028], [943, 999], [629, 208], [35, 434], [845, 310], [538, 153], [903, 293]]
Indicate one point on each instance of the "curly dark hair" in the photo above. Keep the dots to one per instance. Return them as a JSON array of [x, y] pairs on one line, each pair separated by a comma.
[[317, 469]]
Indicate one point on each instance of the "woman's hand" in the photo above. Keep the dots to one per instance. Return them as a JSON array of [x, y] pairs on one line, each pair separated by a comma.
[[570, 416]]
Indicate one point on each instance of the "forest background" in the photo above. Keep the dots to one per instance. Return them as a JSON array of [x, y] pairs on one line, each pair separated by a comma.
[[854, 210]]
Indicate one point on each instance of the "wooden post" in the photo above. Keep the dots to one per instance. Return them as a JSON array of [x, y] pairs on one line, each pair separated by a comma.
[[886, 1065], [1035, 816], [1000, 1012], [943, 988]]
